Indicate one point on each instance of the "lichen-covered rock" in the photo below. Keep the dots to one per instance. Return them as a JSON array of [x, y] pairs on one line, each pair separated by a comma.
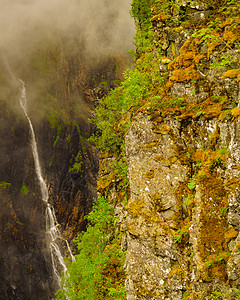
[[182, 219]]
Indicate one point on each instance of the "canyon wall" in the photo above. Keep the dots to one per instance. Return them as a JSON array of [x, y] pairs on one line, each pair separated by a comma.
[[61, 94], [169, 154], [182, 217], [180, 134]]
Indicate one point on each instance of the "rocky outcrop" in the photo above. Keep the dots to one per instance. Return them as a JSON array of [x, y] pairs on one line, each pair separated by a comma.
[[182, 223], [182, 219]]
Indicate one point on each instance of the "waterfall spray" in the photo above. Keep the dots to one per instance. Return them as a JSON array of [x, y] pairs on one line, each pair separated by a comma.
[[54, 237]]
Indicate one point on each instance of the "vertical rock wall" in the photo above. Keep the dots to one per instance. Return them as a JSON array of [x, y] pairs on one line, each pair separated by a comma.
[[182, 220], [62, 93], [24, 259]]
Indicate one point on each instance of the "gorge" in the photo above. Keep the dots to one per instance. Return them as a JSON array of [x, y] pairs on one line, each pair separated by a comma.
[[149, 188], [64, 75]]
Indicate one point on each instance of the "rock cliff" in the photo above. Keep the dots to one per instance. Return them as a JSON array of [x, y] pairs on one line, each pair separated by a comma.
[[182, 220], [181, 223], [62, 94], [169, 140]]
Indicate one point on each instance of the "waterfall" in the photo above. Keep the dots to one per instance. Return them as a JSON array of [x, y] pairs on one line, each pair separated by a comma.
[[54, 237]]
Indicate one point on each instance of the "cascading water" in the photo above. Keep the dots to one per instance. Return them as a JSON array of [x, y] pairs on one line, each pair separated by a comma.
[[54, 237]]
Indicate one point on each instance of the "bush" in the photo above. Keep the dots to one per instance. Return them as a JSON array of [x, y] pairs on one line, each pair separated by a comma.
[[98, 271]]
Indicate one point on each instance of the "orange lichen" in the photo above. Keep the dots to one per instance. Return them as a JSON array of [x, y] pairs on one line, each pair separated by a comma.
[[229, 36], [211, 159], [212, 45], [227, 22], [212, 232], [160, 17], [232, 184], [224, 114], [105, 181], [234, 73], [185, 75], [183, 60], [135, 207], [149, 145], [198, 156], [230, 234], [212, 241], [198, 57], [211, 109], [175, 270], [163, 130], [149, 174], [236, 112], [188, 46], [218, 271]]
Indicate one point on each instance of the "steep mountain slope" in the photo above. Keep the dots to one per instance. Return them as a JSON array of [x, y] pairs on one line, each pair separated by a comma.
[[178, 124], [61, 95]]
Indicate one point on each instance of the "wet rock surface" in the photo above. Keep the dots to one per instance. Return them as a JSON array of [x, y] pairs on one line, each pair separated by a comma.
[[68, 161]]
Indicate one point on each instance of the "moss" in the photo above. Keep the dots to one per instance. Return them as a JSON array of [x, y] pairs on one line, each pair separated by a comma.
[[4, 185], [233, 74], [225, 115], [163, 130], [230, 234], [209, 160], [156, 199], [149, 145], [198, 156], [230, 36], [190, 66], [212, 45], [149, 174], [218, 271], [135, 207], [185, 75], [212, 240], [232, 184], [175, 271], [106, 181], [160, 17], [182, 234], [197, 58], [24, 189], [236, 112], [158, 158]]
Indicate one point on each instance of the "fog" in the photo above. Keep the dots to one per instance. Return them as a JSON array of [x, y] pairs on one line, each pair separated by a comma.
[[105, 26], [85, 31], [46, 43]]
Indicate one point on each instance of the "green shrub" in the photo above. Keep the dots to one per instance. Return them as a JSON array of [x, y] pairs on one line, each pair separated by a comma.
[[98, 271], [4, 185], [24, 189]]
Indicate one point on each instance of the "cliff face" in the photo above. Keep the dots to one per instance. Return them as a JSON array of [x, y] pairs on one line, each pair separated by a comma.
[[183, 219], [181, 225], [61, 95], [173, 127], [25, 262]]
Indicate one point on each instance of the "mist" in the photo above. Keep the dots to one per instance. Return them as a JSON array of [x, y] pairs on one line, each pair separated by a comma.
[[105, 26], [86, 32]]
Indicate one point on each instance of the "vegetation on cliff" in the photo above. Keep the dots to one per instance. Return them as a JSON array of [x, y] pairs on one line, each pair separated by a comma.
[[184, 54], [186, 68], [98, 270]]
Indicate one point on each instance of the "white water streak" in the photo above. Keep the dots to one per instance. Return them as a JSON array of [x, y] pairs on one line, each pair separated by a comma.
[[43, 186], [53, 233]]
